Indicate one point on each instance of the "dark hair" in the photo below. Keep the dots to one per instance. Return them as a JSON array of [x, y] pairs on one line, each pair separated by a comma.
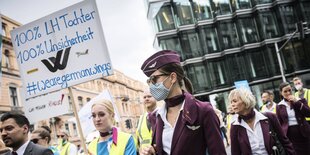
[[270, 93], [19, 119], [282, 85], [43, 132], [176, 68]]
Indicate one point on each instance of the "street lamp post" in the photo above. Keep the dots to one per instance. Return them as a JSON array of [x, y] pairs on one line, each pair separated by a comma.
[[300, 29]]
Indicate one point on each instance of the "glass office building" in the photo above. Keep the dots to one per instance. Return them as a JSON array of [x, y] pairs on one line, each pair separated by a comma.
[[224, 41]]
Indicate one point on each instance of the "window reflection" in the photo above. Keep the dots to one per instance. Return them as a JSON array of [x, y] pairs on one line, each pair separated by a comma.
[[262, 1], [268, 25], [184, 12], [289, 18], [199, 77], [171, 43], [222, 7], [229, 35], [248, 30], [242, 4], [238, 70], [256, 63], [164, 19], [191, 46], [209, 39], [272, 60], [217, 72], [306, 11], [202, 9]]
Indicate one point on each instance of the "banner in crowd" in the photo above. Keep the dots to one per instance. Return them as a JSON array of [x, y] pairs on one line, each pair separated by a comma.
[[62, 49]]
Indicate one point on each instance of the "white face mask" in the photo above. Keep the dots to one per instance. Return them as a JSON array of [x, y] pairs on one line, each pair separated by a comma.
[[298, 87]]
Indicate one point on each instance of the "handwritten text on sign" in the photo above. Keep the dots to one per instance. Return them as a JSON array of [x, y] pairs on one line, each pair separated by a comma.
[[46, 106], [62, 49]]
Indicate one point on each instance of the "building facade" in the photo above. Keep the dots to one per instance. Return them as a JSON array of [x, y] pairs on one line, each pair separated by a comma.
[[225, 41], [127, 92]]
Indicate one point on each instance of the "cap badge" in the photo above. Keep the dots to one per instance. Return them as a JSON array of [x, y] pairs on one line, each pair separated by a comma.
[[153, 65]]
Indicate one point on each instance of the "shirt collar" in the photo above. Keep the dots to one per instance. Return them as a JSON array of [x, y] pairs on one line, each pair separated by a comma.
[[283, 103], [258, 117], [22, 149], [162, 111]]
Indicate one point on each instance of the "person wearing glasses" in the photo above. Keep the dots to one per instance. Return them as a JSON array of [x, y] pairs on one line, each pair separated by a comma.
[[111, 141], [42, 136], [292, 112], [183, 125], [64, 146]]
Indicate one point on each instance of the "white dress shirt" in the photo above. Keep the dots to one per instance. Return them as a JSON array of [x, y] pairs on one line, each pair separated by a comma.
[[291, 114], [256, 136], [168, 129], [21, 150]]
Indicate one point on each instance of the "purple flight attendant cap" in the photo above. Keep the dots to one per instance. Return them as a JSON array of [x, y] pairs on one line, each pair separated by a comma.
[[158, 60]]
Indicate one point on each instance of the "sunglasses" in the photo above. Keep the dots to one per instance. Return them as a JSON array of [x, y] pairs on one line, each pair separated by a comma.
[[35, 140], [153, 79], [62, 136]]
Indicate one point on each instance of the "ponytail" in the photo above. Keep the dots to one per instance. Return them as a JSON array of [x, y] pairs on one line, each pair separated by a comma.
[[188, 85]]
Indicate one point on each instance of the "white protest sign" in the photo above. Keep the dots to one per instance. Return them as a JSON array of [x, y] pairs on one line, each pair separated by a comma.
[[62, 49], [85, 113], [46, 106]]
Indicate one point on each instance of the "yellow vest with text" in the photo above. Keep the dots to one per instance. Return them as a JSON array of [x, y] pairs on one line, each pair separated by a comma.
[[118, 149], [64, 149], [143, 133], [307, 97], [264, 109]]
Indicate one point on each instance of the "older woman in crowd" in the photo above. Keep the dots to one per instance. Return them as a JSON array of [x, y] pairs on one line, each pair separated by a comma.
[[111, 140], [291, 112], [184, 125], [250, 133]]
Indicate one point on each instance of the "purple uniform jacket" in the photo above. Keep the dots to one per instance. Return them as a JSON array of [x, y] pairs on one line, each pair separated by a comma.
[[302, 110], [240, 144], [197, 130]]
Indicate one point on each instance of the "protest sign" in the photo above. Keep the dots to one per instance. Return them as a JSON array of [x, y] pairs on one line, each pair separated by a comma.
[[62, 49], [46, 106]]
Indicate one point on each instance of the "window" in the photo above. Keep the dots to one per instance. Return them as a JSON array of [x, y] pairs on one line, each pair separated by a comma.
[[88, 99], [190, 44], [209, 39], [171, 43], [268, 25], [289, 18], [262, 1], [202, 9], [272, 60], [184, 12], [256, 62], [222, 7], [242, 4], [67, 127], [199, 77], [70, 103], [74, 130], [217, 72], [238, 70], [248, 30], [13, 96], [80, 101], [3, 33], [229, 35], [305, 6], [7, 59], [164, 19]]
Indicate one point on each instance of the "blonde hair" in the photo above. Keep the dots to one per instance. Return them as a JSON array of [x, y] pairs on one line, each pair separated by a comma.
[[106, 103], [245, 95], [296, 78]]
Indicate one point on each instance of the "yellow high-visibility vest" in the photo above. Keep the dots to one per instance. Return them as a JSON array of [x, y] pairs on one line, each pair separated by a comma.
[[64, 149], [307, 97], [143, 133], [116, 149], [265, 109]]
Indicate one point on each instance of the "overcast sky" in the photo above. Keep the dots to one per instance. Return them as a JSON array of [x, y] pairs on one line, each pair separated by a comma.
[[128, 32]]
